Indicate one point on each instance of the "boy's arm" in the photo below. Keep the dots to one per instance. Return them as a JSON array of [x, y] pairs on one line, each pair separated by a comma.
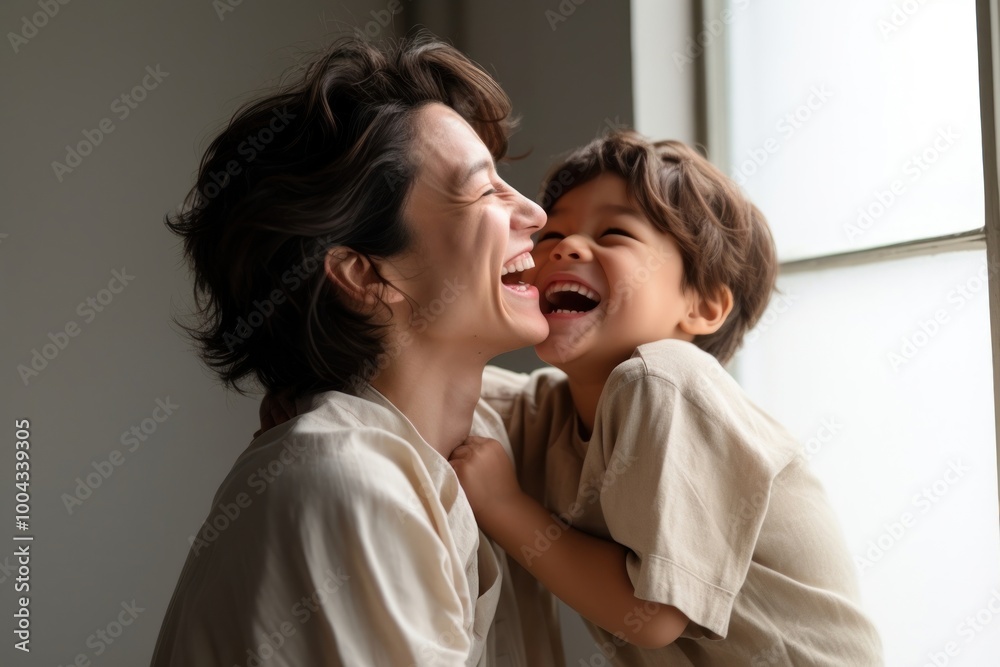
[[586, 572]]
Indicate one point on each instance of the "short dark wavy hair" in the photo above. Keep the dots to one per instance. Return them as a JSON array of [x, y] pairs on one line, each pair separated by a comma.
[[723, 238], [321, 163]]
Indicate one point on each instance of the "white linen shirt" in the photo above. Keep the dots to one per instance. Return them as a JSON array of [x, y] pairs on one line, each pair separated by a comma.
[[341, 537]]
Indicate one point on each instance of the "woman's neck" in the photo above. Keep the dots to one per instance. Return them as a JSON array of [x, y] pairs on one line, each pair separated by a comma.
[[437, 390]]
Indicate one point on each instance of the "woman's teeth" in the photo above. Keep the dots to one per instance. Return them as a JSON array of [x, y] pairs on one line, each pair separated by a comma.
[[522, 262]]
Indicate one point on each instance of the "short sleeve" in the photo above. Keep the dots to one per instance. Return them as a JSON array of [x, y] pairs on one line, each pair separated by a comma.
[[529, 405], [686, 494], [398, 601], [505, 391]]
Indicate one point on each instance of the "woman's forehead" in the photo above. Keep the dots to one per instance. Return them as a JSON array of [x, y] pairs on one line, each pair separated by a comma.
[[447, 149]]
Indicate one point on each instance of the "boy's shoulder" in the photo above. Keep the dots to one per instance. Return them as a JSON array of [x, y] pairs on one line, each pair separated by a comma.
[[678, 362], [501, 383]]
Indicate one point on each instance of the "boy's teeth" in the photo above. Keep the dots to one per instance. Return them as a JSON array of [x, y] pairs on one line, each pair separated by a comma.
[[520, 263], [572, 287]]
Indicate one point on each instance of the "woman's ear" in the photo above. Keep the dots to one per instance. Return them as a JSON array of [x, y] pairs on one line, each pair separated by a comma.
[[706, 314], [357, 279]]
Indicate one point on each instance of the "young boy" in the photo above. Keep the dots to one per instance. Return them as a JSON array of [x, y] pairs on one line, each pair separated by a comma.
[[651, 494]]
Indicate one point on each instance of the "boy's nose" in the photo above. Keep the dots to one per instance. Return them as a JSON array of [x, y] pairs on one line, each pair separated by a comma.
[[571, 247]]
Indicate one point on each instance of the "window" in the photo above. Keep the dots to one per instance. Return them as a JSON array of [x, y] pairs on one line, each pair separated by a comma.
[[857, 128]]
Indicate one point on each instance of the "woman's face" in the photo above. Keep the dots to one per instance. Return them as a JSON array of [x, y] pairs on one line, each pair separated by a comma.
[[468, 224]]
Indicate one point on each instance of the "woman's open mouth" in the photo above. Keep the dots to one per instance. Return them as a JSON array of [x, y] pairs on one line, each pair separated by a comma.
[[510, 276]]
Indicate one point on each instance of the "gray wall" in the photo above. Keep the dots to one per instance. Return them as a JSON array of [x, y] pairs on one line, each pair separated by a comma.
[[62, 237]]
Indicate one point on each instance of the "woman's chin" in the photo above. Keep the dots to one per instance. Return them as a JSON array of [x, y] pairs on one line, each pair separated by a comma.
[[558, 350], [534, 329]]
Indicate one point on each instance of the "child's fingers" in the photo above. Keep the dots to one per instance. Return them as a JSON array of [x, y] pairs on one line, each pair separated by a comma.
[[478, 441], [264, 412], [459, 453], [275, 408], [286, 403]]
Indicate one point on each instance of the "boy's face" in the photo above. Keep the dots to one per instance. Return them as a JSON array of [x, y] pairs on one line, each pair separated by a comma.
[[608, 280]]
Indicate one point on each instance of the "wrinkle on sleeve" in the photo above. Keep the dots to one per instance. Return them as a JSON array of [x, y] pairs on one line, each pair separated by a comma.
[[686, 495]]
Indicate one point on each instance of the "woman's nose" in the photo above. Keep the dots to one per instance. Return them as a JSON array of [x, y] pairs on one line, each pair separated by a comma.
[[528, 215]]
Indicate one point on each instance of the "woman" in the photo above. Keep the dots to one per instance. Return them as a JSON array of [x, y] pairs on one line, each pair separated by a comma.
[[355, 261]]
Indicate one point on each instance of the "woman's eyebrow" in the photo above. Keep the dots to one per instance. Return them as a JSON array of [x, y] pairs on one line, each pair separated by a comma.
[[465, 176]]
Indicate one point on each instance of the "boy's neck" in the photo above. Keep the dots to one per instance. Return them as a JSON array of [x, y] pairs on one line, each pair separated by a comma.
[[586, 393], [586, 383], [585, 397]]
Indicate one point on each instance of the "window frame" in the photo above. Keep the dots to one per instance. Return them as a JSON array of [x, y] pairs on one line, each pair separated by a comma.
[[712, 128]]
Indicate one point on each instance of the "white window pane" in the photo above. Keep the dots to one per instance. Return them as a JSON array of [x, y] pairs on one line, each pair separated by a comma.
[[884, 373], [854, 124]]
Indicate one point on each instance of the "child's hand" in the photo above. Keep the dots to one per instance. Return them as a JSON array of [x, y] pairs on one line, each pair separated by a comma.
[[275, 409], [486, 474]]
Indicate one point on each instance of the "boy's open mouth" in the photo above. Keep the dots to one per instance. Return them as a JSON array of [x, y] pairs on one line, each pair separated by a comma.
[[570, 298]]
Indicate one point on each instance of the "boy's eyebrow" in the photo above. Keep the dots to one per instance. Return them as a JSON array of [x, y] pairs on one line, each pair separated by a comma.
[[618, 209], [604, 209]]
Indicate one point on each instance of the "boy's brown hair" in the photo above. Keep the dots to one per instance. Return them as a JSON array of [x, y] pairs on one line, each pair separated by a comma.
[[724, 239]]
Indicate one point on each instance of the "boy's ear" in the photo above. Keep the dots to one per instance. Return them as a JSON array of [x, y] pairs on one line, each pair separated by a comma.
[[707, 313], [357, 279]]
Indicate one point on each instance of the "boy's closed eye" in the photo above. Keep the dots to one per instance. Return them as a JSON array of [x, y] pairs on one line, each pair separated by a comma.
[[556, 235]]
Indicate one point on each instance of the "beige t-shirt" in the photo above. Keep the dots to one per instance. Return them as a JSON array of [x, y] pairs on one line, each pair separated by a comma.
[[341, 537], [714, 500]]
